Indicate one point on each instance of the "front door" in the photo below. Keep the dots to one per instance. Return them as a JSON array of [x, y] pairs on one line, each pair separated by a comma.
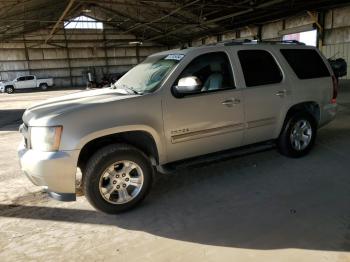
[[210, 119], [20, 82]]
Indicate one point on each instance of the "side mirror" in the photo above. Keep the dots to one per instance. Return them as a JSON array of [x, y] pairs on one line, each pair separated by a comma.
[[187, 85]]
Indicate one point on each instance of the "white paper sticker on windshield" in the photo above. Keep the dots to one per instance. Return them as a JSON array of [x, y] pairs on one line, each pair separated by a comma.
[[177, 57]]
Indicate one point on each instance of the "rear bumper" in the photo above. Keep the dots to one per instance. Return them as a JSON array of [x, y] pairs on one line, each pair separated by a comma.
[[53, 170], [328, 113]]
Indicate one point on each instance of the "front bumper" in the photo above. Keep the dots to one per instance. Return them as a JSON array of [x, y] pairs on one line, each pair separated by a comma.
[[54, 170]]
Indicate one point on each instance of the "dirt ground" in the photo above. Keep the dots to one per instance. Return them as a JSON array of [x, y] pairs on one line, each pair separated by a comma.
[[259, 207]]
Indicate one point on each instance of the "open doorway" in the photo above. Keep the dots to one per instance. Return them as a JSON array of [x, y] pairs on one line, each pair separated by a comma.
[[307, 37]]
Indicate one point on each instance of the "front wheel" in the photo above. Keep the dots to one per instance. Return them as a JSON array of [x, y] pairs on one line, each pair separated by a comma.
[[298, 135], [9, 89], [117, 178]]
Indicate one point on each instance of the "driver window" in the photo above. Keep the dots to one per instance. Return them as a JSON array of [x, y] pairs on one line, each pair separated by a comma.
[[22, 78], [213, 71]]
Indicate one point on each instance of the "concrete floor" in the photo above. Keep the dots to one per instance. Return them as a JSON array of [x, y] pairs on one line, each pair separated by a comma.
[[260, 207]]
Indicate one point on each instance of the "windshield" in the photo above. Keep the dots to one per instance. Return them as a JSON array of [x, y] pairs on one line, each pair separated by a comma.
[[147, 76]]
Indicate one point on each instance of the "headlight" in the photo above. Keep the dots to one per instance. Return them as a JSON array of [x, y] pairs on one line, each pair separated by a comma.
[[45, 138]]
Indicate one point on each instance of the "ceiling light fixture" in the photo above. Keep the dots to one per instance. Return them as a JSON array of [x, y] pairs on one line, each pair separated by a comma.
[[86, 9], [135, 43]]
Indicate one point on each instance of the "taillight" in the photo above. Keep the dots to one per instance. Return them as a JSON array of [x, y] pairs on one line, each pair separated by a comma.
[[335, 90]]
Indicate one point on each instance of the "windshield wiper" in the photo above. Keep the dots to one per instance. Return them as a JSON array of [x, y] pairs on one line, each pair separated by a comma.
[[132, 90], [125, 87]]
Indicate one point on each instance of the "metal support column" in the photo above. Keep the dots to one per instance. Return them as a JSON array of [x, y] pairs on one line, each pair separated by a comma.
[[68, 57], [320, 32], [138, 52], [26, 55], [259, 34], [105, 50]]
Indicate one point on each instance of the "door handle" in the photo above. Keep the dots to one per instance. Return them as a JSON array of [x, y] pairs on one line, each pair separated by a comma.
[[231, 102], [281, 93]]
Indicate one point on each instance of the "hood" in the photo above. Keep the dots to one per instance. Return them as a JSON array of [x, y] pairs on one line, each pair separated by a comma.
[[51, 108], [6, 83]]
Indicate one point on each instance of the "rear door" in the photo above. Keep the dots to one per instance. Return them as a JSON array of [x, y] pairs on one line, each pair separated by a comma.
[[266, 94]]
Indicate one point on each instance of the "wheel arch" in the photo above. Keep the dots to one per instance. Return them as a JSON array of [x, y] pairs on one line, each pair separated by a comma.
[[310, 107], [140, 139]]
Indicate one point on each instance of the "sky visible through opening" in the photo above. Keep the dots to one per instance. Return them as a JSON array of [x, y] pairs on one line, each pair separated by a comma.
[[83, 22], [308, 37]]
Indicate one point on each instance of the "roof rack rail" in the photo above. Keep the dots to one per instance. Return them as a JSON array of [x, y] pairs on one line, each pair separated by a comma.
[[230, 42], [249, 41], [295, 42]]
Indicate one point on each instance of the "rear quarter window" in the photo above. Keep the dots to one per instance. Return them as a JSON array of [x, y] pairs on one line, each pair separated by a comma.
[[306, 63]]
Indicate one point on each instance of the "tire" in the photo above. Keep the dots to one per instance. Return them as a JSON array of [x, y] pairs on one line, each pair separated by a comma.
[[44, 87], [293, 131], [9, 89], [100, 186]]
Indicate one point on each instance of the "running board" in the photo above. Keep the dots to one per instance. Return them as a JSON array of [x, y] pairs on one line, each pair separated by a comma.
[[215, 157]]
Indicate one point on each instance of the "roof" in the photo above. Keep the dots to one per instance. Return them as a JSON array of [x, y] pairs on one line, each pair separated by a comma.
[[233, 44], [159, 21]]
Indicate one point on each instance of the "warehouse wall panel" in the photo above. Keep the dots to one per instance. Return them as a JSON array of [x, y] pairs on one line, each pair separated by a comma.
[[68, 61], [12, 55], [338, 50], [336, 38]]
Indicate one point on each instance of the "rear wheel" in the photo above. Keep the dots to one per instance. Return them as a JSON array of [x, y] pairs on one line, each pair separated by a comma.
[[298, 135], [117, 178], [44, 87], [9, 89]]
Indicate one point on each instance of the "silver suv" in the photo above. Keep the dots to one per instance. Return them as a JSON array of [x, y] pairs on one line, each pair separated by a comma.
[[174, 107]]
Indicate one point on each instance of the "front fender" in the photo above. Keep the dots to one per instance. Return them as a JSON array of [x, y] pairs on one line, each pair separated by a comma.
[[128, 128]]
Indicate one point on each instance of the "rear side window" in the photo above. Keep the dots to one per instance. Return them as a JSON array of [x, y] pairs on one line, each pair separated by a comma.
[[306, 63], [259, 68]]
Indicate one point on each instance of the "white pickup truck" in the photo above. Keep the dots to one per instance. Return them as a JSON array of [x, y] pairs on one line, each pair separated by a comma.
[[25, 82]]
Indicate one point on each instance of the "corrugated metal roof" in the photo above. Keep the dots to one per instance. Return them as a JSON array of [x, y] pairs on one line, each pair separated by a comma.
[[159, 21]]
